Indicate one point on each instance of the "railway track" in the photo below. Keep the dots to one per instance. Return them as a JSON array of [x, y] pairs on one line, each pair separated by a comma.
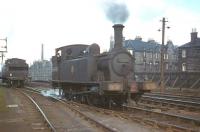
[[75, 108], [175, 96], [150, 116], [46, 120], [163, 120], [166, 121], [169, 121], [171, 102]]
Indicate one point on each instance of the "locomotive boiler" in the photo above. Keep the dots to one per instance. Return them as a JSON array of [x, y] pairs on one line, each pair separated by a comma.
[[15, 72], [93, 77]]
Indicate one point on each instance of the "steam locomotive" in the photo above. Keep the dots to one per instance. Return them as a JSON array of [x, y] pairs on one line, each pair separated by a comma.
[[87, 75], [15, 72]]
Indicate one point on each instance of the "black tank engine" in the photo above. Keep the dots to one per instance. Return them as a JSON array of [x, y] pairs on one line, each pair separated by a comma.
[[85, 74]]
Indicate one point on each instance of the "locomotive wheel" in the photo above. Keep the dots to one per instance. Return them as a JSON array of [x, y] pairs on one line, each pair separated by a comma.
[[88, 100]]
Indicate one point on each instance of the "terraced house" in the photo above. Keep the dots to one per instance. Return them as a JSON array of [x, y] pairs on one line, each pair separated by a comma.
[[189, 54], [147, 55]]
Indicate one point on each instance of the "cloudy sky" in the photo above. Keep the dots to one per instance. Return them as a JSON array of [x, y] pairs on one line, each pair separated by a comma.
[[29, 23]]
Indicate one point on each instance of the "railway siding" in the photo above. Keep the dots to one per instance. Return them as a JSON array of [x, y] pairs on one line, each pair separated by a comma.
[[42, 113], [60, 117], [105, 119], [164, 119], [20, 114], [155, 117], [179, 111]]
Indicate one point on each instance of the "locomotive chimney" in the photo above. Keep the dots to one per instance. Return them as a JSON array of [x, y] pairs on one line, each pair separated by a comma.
[[118, 36]]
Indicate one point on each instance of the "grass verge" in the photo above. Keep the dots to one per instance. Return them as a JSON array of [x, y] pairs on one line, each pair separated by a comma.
[[2, 100]]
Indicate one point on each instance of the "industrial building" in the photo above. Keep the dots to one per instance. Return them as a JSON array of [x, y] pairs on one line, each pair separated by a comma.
[[41, 70]]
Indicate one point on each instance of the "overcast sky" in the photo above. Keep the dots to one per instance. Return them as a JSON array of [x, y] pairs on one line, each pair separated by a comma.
[[29, 23]]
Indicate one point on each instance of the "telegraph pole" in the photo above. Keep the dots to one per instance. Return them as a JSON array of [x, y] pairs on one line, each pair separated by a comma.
[[162, 87]]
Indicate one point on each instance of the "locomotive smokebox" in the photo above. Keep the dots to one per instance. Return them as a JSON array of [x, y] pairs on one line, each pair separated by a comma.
[[118, 28]]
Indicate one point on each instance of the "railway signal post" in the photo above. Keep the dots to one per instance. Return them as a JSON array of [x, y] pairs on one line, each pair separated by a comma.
[[3, 49]]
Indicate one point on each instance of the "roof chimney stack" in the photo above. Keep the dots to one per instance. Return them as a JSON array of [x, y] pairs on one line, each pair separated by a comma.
[[193, 34], [42, 53]]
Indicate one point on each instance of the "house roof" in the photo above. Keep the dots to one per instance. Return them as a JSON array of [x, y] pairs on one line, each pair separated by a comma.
[[139, 45], [195, 43]]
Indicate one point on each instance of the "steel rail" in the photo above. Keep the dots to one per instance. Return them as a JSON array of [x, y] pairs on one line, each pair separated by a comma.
[[132, 116], [178, 101], [162, 104], [196, 98], [41, 111], [165, 102], [187, 119], [129, 116], [103, 126]]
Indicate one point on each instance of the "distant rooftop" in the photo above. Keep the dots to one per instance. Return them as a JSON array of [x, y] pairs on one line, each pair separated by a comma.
[[139, 45], [195, 41]]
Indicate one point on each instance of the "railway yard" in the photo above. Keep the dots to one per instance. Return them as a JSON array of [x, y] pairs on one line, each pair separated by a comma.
[[98, 91], [40, 108], [86, 83]]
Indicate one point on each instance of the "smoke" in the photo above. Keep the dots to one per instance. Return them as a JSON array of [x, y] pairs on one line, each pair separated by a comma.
[[116, 12]]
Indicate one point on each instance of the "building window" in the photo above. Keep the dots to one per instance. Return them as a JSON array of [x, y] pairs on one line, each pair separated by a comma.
[[167, 66], [150, 65], [130, 51], [183, 53], [151, 55], [183, 67], [156, 55], [166, 56], [144, 54]]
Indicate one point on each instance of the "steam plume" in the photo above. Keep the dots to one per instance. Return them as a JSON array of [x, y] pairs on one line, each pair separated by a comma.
[[116, 12]]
